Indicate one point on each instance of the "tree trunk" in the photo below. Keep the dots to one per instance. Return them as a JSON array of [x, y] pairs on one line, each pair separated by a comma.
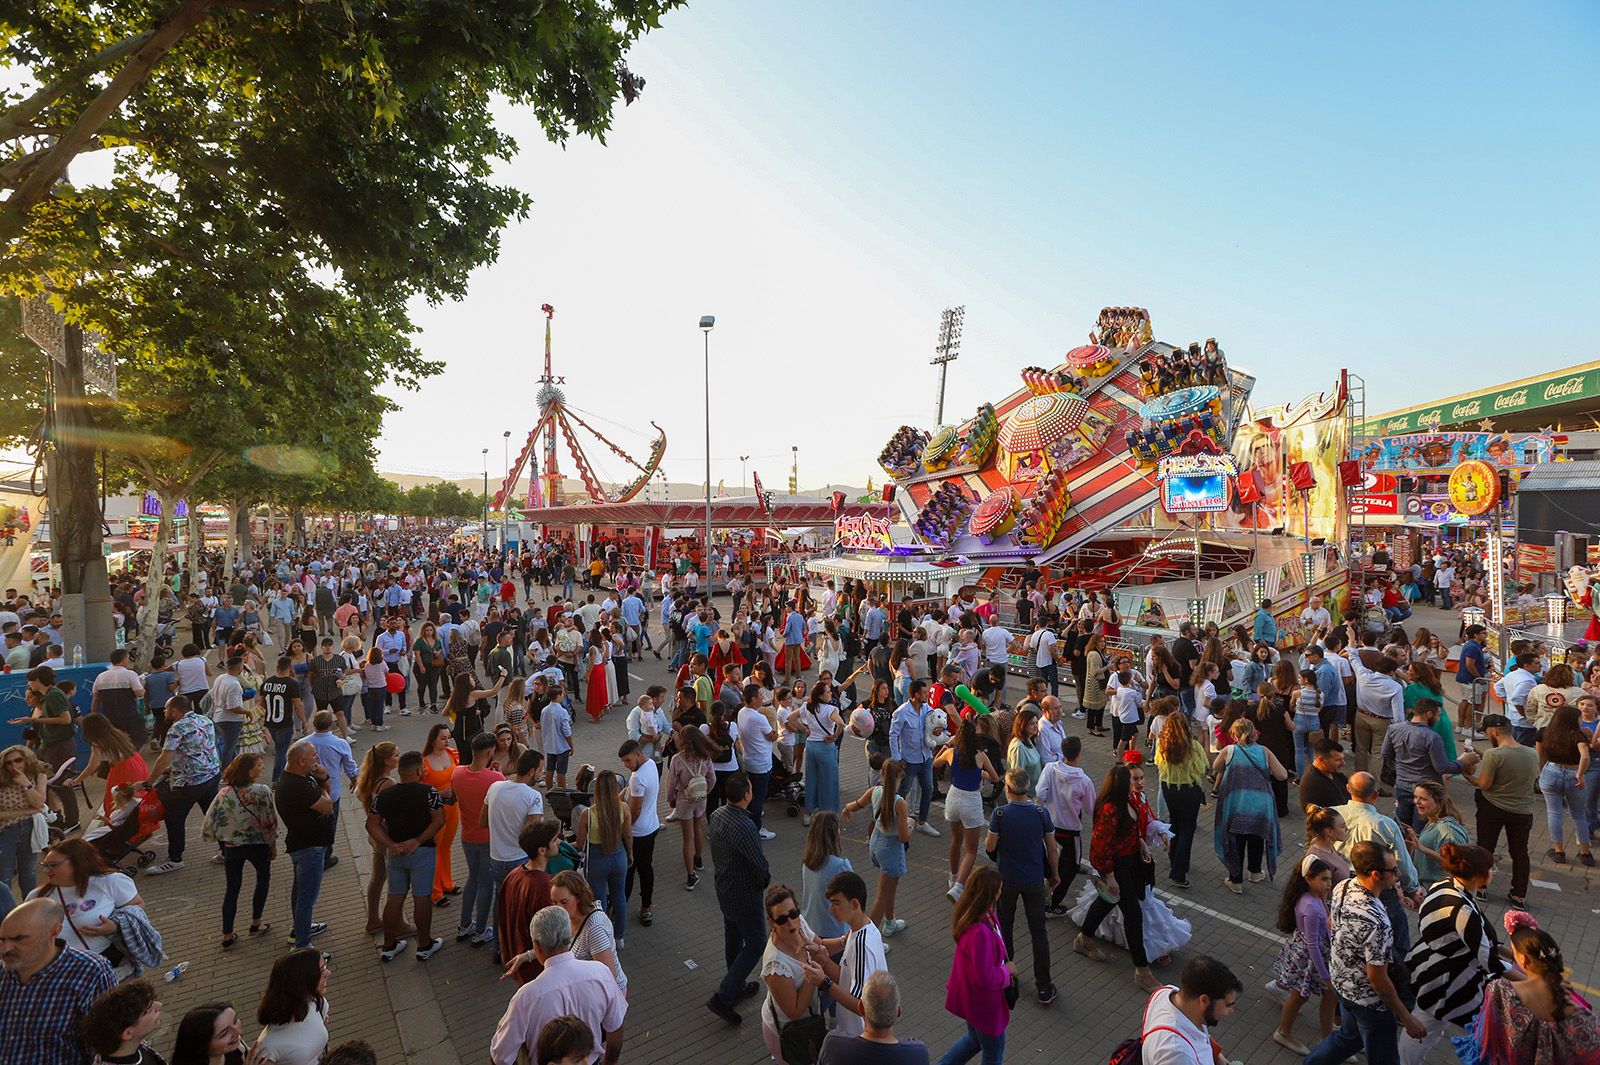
[[298, 517], [241, 531], [149, 615], [76, 536], [197, 544], [230, 540]]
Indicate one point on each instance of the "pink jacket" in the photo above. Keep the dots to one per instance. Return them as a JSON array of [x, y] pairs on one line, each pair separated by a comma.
[[976, 991]]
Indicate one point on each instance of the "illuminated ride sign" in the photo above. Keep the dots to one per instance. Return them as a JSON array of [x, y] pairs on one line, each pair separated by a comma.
[[862, 533], [1474, 488], [1196, 484]]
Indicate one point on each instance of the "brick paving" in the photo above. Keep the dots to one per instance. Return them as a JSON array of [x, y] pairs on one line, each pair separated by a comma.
[[443, 1011]]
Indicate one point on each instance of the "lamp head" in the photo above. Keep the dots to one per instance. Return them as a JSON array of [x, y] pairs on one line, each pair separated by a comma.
[[707, 321]]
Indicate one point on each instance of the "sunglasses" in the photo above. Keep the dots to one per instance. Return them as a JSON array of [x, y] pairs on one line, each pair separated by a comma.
[[781, 919]]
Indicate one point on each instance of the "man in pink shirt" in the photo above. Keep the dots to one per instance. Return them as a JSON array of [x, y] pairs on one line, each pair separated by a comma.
[[471, 784], [567, 986]]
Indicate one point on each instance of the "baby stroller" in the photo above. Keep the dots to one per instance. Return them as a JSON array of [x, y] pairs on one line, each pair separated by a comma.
[[566, 803], [125, 830], [786, 785]]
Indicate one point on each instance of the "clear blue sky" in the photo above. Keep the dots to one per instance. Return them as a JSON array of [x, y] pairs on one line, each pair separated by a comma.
[[1406, 190]]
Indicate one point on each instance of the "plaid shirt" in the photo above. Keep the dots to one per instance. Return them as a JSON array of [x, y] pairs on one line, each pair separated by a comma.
[[741, 867], [43, 1016]]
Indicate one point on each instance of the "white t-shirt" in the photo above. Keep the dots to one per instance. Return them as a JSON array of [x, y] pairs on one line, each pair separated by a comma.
[[753, 729], [191, 675], [1310, 618], [510, 803], [299, 1042], [732, 764], [227, 699], [1044, 648], [1125, 705], [863, 956], [118, 677], [105, 893], [645, 783], [1185, 1044], [996, 643], [1204, 696]]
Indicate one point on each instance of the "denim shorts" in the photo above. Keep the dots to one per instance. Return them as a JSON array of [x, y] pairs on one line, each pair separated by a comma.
[[557, 763], [412, 873], [888, 854]]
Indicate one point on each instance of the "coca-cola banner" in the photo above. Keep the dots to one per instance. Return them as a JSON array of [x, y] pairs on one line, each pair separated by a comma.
[[1563, 386]]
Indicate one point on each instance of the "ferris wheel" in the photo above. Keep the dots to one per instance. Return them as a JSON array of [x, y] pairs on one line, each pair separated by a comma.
[[557, 417]]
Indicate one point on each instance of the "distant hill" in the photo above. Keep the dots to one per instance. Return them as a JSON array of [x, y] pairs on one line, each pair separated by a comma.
[[572, 489]]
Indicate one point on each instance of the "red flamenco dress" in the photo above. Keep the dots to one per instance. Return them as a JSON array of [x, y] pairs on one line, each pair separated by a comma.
[[783, 653], [1592, 633], [719, 657], [596, 698]]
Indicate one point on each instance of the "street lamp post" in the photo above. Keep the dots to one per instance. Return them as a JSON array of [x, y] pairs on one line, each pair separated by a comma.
[[483, 530], [505, 510], [707, 321], [742, 460]]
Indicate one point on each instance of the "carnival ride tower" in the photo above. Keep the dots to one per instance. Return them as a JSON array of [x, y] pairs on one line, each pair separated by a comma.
[[557, 416]]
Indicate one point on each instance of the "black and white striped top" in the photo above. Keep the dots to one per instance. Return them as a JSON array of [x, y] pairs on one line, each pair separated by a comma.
[[1455, 954]]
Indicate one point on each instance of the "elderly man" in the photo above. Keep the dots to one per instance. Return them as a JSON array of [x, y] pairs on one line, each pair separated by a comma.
[[565, 987], [305, 805], [45, 988], [876, 1045], [1366, 825]]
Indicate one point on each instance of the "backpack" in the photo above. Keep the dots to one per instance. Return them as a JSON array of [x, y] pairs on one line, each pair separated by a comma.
[[1131, 1051]]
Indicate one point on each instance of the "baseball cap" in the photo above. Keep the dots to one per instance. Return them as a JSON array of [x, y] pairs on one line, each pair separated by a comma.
[[1496, 721]]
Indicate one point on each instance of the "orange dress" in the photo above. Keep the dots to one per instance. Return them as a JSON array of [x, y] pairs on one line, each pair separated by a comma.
[[443, 883]]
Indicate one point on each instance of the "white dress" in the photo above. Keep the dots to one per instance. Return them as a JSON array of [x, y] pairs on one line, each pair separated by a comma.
[[1164, 931], [612, 698]]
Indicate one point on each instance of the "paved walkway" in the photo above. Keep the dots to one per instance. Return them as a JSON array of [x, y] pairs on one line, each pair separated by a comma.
[[443, 1011]]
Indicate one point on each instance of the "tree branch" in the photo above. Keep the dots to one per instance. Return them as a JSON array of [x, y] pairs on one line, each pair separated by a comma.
[[161, 40], [12, 123]]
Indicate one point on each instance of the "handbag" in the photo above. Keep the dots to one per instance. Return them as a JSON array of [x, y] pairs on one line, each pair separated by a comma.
[[350, 684], [41, 832], [800, 1041]]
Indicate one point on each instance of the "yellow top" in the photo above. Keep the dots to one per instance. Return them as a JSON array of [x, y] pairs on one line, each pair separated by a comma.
[[1192, 770]]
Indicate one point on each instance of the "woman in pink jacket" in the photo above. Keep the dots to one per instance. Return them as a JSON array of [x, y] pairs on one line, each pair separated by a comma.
[[980, 974]]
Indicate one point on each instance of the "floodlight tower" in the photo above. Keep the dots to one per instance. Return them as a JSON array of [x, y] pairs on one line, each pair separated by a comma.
[[946, 350]]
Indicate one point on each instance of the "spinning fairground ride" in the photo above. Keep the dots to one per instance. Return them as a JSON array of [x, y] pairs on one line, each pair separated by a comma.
[[558, 417], [1137, 467]]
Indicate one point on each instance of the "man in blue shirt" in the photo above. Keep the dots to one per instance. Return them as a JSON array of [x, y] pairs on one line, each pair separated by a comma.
[[1266, 626], [700, 634], [1330, 685], [333, 753], [226, 616], [875, 620], [1472, 670], [1513, 691], [908, 743], [633, 616], [794, 636], [1024, 844]]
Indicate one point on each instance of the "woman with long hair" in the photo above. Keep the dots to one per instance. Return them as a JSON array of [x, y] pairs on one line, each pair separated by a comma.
[[112, 753], [1023, 751], [1094, 697], [377, 770], [466, 705], [822, 860], [1326, 834], [427, 656], [1165, 672], [900, 667], [209, 1035], [23, 793], [963, 801], [1182, 762], [1455, 953], [1247, 818], [597, 695], [244, 822], [881, 703], [1274, 720], [980, 973], [823, 728], [891, 832], [439, 761], [1425, 684], [593, 938], [374, 688], [508, 750], [293, 1013], [690, 778], [81, 882], [605, 836], [1442, 824], [1119, 851], [1563, 749], [1302, 965], [722, 729], [1532, 1015]]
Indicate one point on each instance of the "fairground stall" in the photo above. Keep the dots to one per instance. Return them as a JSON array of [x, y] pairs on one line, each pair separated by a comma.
[[869, 557], [1137, 467]]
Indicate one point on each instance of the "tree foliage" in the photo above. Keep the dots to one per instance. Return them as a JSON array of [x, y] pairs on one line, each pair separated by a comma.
[[444, 499]]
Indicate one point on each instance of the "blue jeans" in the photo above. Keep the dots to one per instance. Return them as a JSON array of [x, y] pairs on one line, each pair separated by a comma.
[[1052, 674], [608, 878], [922, 773], [372, 705], [282, 737], [227, 741], [1371, 1027], [758, 794], [993, 1048], [17, 860], [1563, 796], [1405, 808], [327, 854], [744, 938], [478, 895], [822, 776], [1304, 726], [1591, 798], [308, 863]]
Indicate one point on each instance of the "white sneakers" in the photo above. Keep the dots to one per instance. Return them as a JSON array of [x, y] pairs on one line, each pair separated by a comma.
[[927, 829], [768, 835], [164, 867]]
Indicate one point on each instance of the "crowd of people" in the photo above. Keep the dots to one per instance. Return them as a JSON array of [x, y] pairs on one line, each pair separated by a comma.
[[539, 834]]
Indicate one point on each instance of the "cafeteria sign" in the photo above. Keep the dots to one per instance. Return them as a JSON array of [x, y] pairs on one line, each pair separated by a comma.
[[1547, 391], [861, 533]]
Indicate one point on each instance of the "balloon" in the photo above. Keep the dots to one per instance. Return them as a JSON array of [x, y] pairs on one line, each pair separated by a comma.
[[395, 682], [861, 723], [965, 694]]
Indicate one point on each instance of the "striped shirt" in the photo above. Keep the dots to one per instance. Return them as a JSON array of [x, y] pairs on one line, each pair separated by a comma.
[[1454, 956], [863, 956]]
